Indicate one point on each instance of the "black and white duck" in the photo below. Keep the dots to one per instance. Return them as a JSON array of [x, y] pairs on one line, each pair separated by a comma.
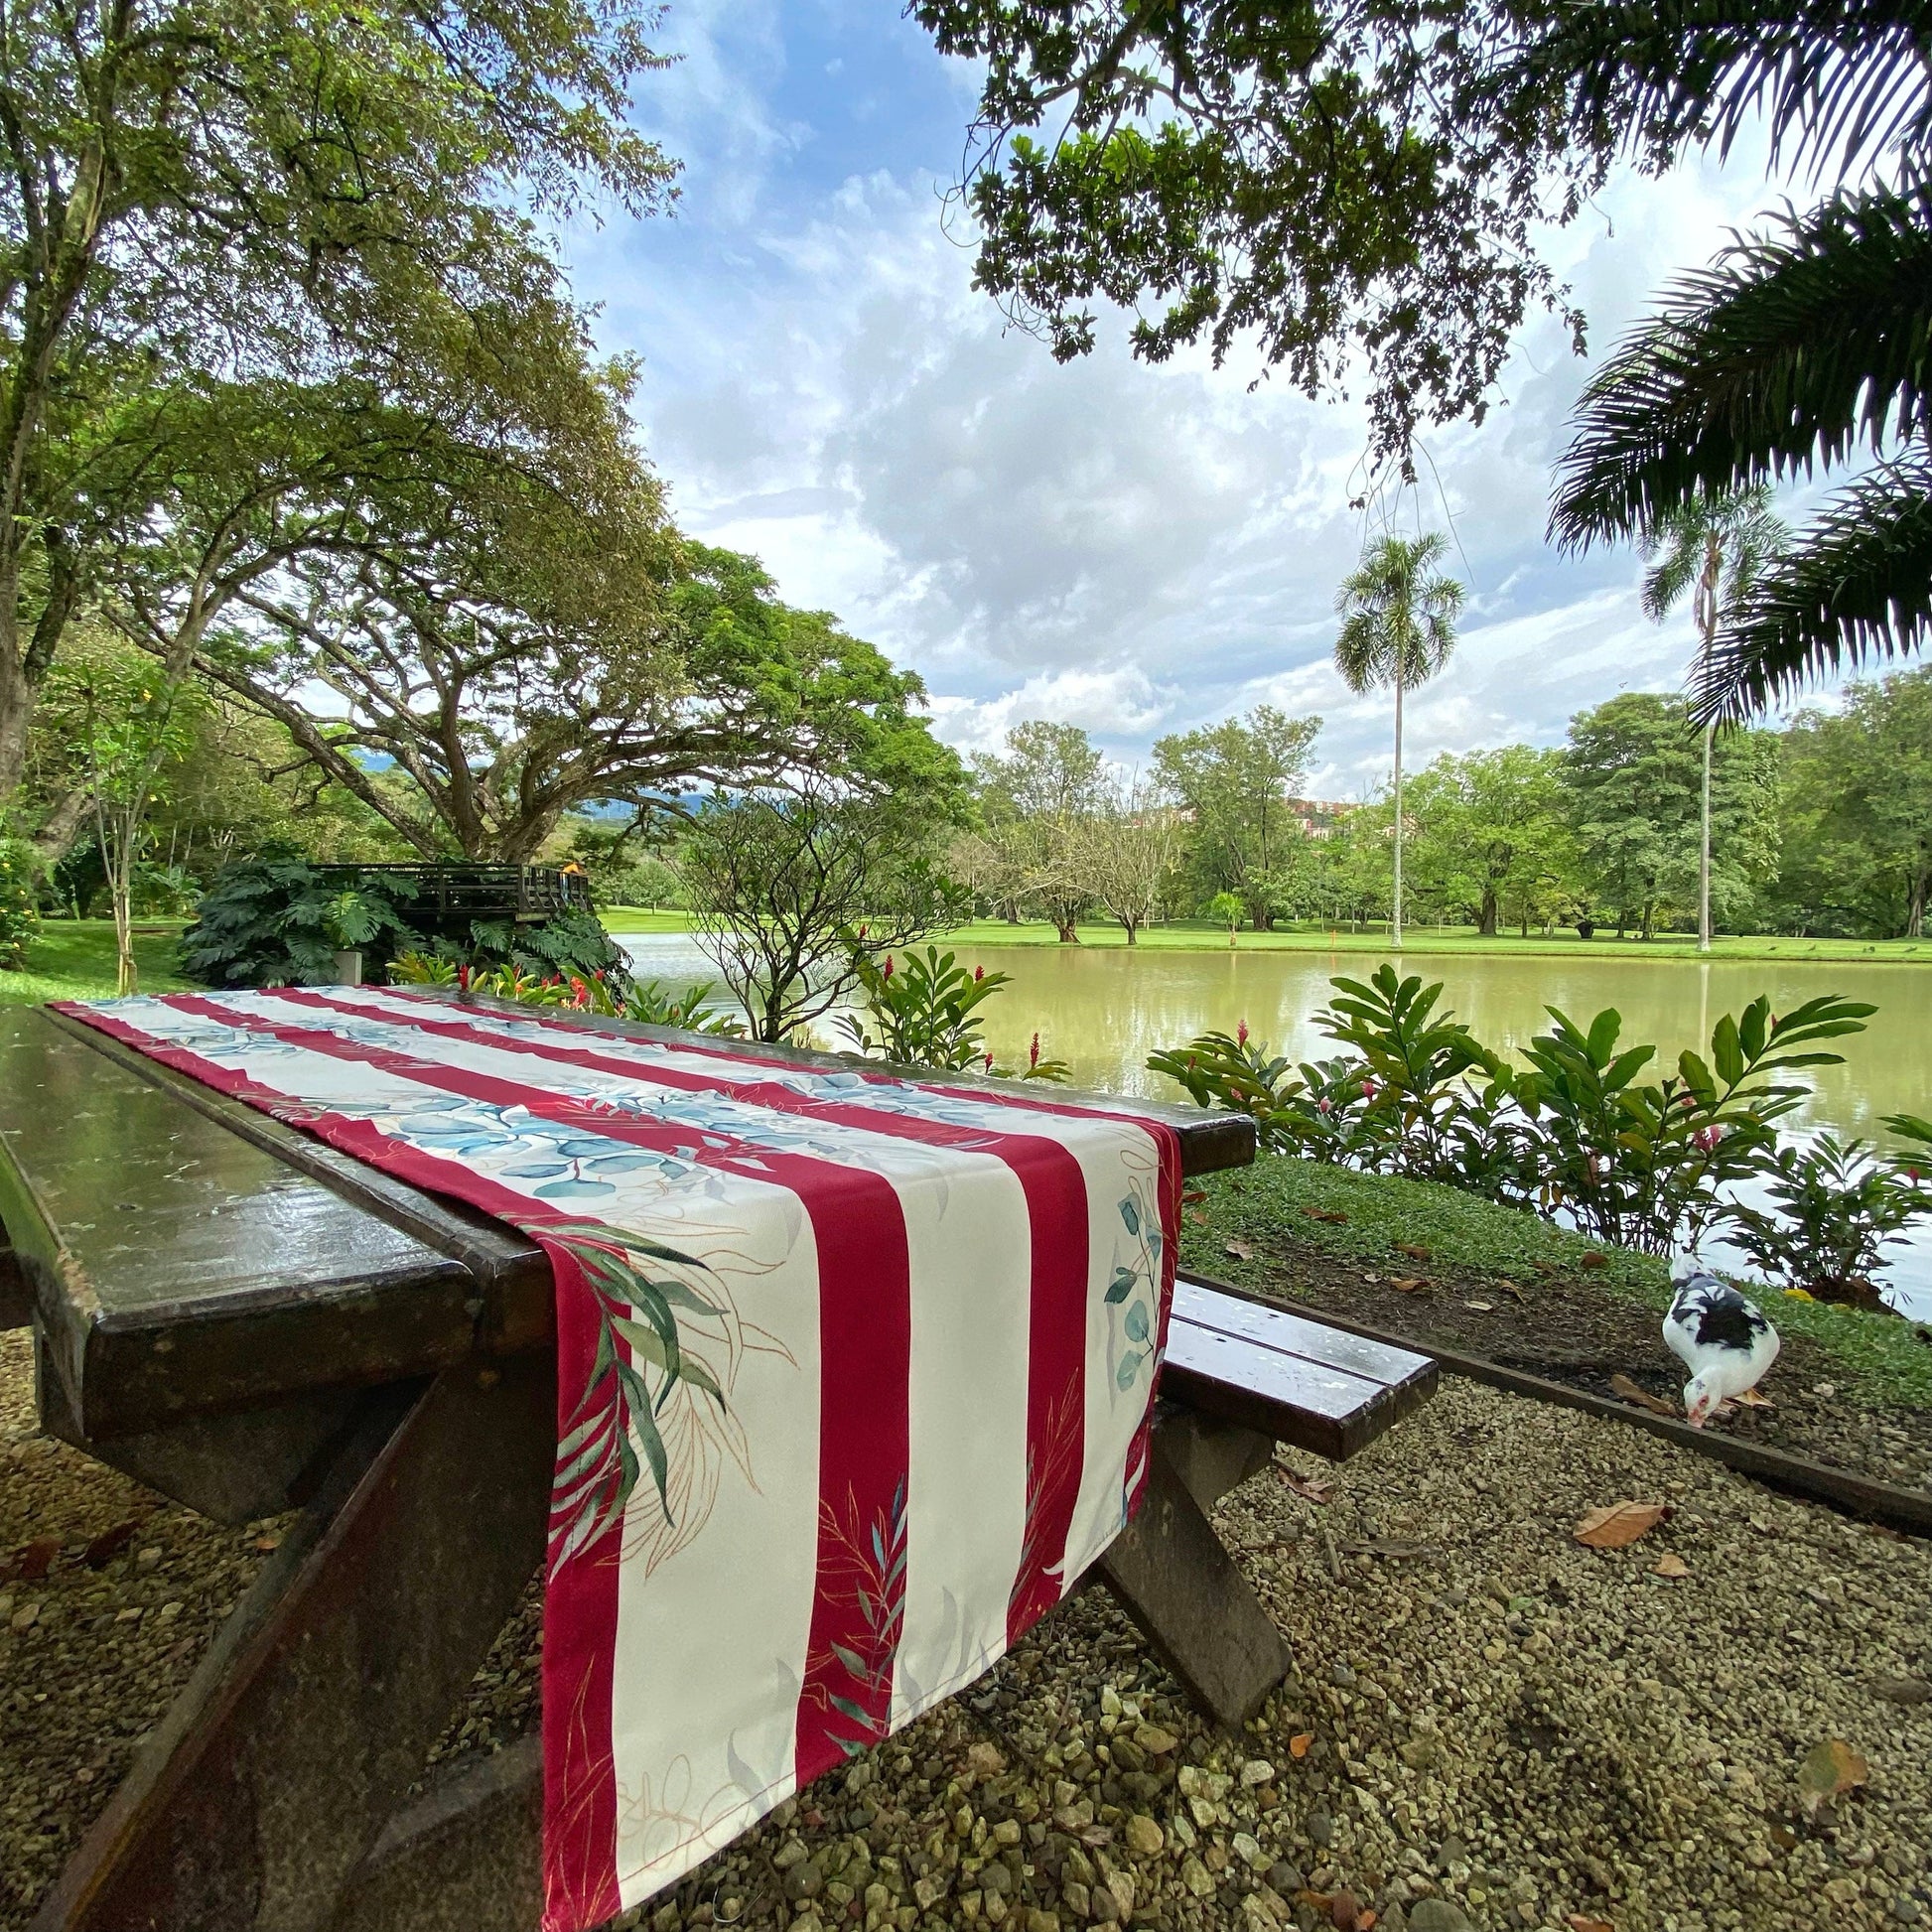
[[1725, 1341]]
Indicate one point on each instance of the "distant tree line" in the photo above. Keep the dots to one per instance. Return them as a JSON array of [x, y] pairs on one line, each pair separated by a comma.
[[1823, 828]]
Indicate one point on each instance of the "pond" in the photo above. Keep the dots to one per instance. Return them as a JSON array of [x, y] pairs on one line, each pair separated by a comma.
[[1105, 1009]]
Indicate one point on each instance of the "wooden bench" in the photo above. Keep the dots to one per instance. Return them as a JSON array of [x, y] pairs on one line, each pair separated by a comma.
[[250, 1322]]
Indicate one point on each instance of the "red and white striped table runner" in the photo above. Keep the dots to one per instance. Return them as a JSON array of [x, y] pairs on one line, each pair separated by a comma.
[[854, 1374]]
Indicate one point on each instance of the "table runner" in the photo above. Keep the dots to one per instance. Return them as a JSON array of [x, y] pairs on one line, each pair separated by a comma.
[[854, 1374]]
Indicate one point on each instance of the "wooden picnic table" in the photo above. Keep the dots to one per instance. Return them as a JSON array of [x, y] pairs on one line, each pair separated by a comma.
[[253, 1322]]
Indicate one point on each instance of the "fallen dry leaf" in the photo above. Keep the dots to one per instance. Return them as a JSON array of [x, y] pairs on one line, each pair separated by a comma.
[[1298, 1746], [1751, 1399], [1545, 1267], [1311, 1488], [1408, 1283], [1327, 1214], [272, 1540], [1413, 1251], [1670, 1564], [1193, 1196], [1512, 1287], [1583, 1922], [110, 1542], [32, 1560], [1481, 1307], [1592, 1259], [1239, 1250], [1622, 1386], [1830, 1768], [1617, 1525]]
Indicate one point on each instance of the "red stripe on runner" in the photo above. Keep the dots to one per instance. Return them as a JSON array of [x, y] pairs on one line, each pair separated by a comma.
[[1055, 1187]]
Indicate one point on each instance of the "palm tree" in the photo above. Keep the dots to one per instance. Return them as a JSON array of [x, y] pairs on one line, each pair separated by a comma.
[[1398, 628], [1800, 347], [1716, 550]]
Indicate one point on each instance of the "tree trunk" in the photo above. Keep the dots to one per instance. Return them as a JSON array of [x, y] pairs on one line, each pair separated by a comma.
[[1395, 921], [1068, 931], [1132, 933], [16, 714], [1704, 849], [1915, 903], [1489, 917], [54, 840]]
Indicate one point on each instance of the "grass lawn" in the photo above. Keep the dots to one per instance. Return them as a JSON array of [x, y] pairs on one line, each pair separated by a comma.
[[74, 959], [1196, 935], [1275, 1196]]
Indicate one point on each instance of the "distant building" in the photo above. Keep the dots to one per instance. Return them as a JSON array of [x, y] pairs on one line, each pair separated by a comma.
[[1319, 817]]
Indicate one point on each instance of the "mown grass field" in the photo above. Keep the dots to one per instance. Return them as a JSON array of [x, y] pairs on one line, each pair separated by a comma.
[[1196, 935], [74, 959]]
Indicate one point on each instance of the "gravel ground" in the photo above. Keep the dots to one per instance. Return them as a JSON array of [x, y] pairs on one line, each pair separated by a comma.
[[1488, 1724]]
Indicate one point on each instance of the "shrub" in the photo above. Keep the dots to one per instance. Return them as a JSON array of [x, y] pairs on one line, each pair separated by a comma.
[[925, 1013], [1576, 1132], [1838, 1205], [20, 880], [267, 921]]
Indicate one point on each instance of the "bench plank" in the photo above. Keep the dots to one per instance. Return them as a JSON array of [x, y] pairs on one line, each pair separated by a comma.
[[1287, 1376]]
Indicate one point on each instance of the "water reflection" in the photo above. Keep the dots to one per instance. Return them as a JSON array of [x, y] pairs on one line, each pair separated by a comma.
[[1105, 1011]]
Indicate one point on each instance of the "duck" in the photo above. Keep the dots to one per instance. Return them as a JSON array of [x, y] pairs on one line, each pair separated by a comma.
[[1725, 1341]]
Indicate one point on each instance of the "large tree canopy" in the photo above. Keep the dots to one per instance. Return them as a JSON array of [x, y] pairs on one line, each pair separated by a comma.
[[1363, 180], [217, 191]]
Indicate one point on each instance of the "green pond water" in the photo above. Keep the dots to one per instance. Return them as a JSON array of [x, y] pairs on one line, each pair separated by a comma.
[[1104, 1011]]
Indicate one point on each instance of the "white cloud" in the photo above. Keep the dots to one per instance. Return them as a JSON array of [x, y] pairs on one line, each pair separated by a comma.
[[1135, 549]]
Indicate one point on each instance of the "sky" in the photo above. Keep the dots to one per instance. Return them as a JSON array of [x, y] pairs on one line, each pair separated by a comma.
[[1136, 550]]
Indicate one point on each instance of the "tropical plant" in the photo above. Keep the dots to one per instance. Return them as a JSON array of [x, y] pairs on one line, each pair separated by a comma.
[[1800, 345], [1227, 908], [1643, 1165], [925, 1012], [1835, 1206], [1413, 1066], [1038, 1068], [20, 919], [1398, 629], [1714, 550], [264, 922], [1573, 1134]]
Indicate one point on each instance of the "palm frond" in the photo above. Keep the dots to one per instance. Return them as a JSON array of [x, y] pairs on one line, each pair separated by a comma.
[[1791, 348], [1856, 586], [1837, 83]]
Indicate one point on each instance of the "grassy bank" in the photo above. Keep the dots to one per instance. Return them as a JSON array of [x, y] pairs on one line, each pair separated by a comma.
[[1271, 1202], [1196, 935], [74, 959]]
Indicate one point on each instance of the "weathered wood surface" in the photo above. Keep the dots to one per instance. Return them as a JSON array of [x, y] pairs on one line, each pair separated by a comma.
[[1295, 1380], [276, 1770], [187, 1255]]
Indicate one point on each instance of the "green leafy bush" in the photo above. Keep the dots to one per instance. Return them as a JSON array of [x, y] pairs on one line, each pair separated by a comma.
[[925, 1013], [1837, 1205], [644, 1001], [20, 920], [1576, 1132], [272, 920]]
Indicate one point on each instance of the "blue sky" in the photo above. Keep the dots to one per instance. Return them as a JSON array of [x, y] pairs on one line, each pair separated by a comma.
[[1130, 549]]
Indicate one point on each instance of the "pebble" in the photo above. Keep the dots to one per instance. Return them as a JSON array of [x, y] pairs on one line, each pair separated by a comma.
[[1443, 1788]]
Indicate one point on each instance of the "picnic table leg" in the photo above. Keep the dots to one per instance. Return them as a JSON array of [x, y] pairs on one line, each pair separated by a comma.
[[278, 1766], [1174, 1579]]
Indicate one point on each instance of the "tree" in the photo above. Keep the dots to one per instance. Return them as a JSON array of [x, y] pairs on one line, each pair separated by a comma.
[[1126, 855], [1492, 833], [790, 891], [1858, 810], [1348, 180], [1632, 770], [128, 723], [216, 189], [1398, 629], [1714, 550], [1234, 782], [519, 653], [1036, 800], [1800, 345]]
